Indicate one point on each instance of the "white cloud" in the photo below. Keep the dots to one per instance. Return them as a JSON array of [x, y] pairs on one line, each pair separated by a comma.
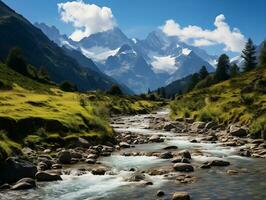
[[86, 18], [233, 40]]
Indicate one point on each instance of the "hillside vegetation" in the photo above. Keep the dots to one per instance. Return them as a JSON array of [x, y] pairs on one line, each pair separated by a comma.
[[239, 100], [34, 113]]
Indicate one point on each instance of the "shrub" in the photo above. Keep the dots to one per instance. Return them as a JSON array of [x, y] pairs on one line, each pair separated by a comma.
[[115, 90], [16, 61], [68, 87]]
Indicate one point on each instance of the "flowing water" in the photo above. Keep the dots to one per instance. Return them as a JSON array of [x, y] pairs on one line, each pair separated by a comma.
[[214, 183]]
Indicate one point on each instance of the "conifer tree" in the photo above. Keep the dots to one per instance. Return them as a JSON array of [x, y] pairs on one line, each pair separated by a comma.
[[203, 73], [16, 61], [262, 56], [249, 56], [223, 65], [234, 70]]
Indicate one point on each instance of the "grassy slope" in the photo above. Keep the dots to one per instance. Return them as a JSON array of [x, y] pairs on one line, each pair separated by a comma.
[[238, 100], [84, 114]]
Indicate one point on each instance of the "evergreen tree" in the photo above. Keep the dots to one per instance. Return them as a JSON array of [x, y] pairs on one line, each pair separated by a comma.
[[149, 91], [234, 70], [262, 57], [223, 65], [195, 78], [249, 56], [162, 92], [16, 61], [68, 87], [203, 73]]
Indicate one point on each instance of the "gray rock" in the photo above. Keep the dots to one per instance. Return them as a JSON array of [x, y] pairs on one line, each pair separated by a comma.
[[64, 157], [124, 145], [210, 125], [180, 196], [5, 186], [156, 138], [99, 171], [14, 169], [183, 167], [166, 155], [44, 176], [238, 132], [196, 126], [22, 186], [90, 161], [160, 193], [168, 126], [170, 147], [83, 142], [219, 163], [185, 154], [136, 177]]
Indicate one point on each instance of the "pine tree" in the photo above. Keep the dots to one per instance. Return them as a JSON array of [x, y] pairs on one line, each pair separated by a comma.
[[203, 73], [162, 92], [195, 78], [249, 56], [262, 57], [234, 70], [149, 91], [16, 61], [223, 65]]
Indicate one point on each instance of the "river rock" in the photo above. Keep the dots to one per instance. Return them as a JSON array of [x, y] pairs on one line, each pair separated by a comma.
[[219, 163], [232, 172], [136, 177], [160, 193], [166, 155], [90, 161], [156, 138], [180, 196], [64, 157], [185, 154], [99, 171], [56, 166], [183, 167], [168, 126], [44, 176], [196, 126], [210, 125], [124, 145], [238, 132], [83, 142], [5, 186], [170, 147], [22, 186], [14, 169]]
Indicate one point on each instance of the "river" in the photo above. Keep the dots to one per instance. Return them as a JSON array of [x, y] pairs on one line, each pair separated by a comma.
[[214, 183]]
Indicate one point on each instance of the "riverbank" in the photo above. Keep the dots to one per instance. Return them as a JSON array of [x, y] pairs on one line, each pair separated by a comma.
[[156, 156]]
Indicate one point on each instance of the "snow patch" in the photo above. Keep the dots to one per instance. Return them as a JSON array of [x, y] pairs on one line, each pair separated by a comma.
[[164, 64], [186, 51], [99, 54], [134, 40]]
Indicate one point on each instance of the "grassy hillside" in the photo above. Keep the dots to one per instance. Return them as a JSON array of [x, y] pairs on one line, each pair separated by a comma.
[[35, 113], [240, 100]]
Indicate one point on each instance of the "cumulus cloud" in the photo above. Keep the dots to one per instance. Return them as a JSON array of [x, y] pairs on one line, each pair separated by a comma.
[[233, 39], [86, 18]]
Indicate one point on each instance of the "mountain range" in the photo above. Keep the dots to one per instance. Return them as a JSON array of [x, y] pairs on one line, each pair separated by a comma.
[[139, 64], [60, 63]]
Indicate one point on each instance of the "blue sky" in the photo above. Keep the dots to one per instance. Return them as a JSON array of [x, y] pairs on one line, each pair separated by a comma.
[[137, 18]]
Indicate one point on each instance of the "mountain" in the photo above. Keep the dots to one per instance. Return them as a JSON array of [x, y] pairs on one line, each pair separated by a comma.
[[139, 64], [41, 52]]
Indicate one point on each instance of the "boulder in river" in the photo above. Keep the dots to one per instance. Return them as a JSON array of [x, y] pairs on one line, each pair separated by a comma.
[[183, 167], [156, 138], [124, 145], [14, 169], [168, 126], [136, 177], [160, 193], [219, 163], [185, 154], [23, 184], [64, 157], [166, 155], [99, 171], [170, 147], [180, 196], [44, 176]]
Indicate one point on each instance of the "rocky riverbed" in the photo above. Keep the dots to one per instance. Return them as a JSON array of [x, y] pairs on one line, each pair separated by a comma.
[[152, 158]]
